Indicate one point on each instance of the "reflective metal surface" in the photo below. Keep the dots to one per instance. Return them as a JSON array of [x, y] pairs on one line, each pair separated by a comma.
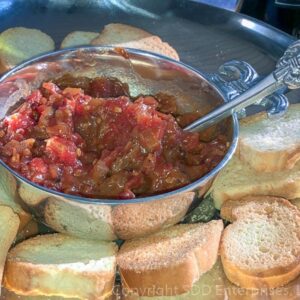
[[204, 36], [144, 73]]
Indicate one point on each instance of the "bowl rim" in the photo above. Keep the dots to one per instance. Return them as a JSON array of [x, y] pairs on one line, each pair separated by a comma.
[[102, 201]]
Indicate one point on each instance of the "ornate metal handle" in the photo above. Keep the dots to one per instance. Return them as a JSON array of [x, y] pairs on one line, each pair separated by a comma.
[[285, 76], [288, 67]]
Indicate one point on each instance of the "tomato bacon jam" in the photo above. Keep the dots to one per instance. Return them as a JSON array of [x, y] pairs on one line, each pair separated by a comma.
[[87, 137]]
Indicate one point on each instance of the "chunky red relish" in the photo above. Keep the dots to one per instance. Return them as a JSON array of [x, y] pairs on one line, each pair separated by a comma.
[[88, 137]]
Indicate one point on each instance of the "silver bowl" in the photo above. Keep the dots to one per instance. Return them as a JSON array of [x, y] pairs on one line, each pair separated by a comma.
[[145, 73]]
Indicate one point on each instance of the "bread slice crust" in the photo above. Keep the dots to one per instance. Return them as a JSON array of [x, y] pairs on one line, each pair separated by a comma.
[[19, 43], [141, 219], [258, 148], [122, 35], [26, 275], [18, 278], [169, 262], [78, 38], [9, 225], [237, 180], [258, 281], [243, 215]]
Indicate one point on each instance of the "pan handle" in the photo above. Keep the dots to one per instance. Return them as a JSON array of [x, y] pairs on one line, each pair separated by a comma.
[[235, 77]]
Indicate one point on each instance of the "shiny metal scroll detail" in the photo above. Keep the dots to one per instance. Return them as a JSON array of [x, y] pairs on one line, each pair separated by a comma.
[[288, 67], [235, 77]]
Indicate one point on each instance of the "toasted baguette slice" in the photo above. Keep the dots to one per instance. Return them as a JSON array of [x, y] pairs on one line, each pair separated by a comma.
[[9, 295], [287, 292], [237, 180], [210, 286], [169, 262], [140, 219], [59, 265], [115, 33], [19, 43], [63, 217], [9, 224], [269, 145], [122, 35], [78, 38], [261, 249]]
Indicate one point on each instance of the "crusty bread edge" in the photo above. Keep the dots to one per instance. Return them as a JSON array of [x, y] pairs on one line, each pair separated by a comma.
[[284, 189], [107, 28], [70, 34], [240, 278], [267, 161], [18, 276], [125, 228], [228, 207], [176, 279], [10, 236], [271, 278], [3, 67]]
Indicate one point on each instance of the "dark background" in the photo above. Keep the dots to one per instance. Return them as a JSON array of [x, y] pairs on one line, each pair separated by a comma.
[[283, 14]]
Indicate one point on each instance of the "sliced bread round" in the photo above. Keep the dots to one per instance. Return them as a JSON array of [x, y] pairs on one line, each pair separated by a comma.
[[60, 265], [171, 261], [78, 38], [269, 145], [18, 44], [9, 225], [237, 180], [114, 33], [141, 219], [261, 249], [122, 35]]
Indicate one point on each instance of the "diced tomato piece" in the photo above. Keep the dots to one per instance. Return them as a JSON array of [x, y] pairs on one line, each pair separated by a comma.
[[72, 91], [65, 115], [18, 121], [61, 129], [147, 100], [151, 133], [37, 170], [38, 165], [35, 97], [81, 102], [51, 87], [77, 139], [62, 150]]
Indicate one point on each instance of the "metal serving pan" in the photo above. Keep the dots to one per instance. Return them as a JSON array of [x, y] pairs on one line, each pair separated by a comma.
[[205, 37]]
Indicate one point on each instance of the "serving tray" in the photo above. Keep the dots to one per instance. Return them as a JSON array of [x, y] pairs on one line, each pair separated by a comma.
[[205, 37]]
